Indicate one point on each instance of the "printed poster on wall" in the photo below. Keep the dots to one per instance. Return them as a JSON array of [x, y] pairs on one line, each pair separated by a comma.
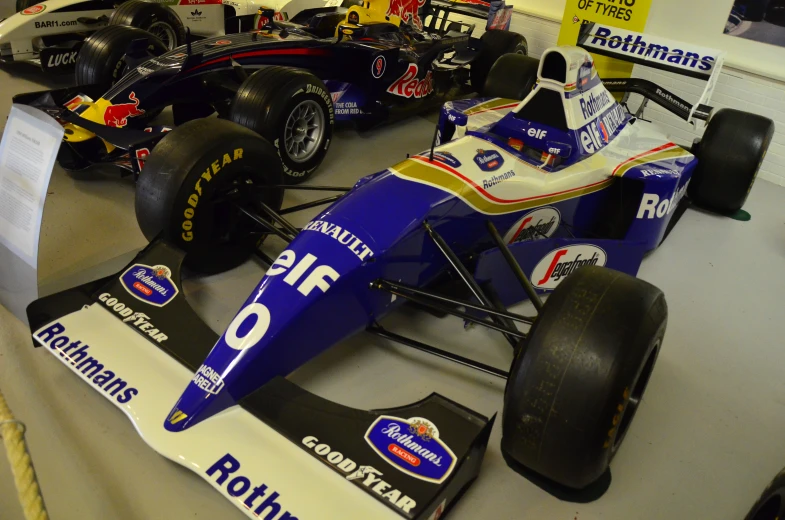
[[624, 14], [758, 20]]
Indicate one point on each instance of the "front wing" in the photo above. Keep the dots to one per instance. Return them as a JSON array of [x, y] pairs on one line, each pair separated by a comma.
[[281, 453]]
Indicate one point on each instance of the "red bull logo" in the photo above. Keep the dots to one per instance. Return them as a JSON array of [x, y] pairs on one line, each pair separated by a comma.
[[409, 86], [117, 115], [407, 10]]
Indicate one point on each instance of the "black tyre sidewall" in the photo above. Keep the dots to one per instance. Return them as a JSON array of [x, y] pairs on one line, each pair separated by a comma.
[[193, 159], [21, 5], [142, 15], [101, 60], [512, 76], [258, 107], [730, 155], [774, 491], [568, 393], [494, 44]]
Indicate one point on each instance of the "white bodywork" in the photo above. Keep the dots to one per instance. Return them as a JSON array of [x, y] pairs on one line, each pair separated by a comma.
[[287, 8], [21, 34], [306, 489]]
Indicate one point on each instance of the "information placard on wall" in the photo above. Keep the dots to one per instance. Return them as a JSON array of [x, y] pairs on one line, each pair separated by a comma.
[[27, 155], [625, 14]]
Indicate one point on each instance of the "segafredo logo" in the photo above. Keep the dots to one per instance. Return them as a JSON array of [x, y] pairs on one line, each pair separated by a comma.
[[409, 86], [151, 284], [540, 223], [412, 446], [488, 160], [559, 263]]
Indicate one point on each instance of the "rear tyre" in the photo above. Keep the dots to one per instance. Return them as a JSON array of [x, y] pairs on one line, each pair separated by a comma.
[[494, 44], [513, 76], [771, 504], [574, 389], [159, 20], [102, 61], [729, 157], [21, 5], [292, 109], [193, 184]]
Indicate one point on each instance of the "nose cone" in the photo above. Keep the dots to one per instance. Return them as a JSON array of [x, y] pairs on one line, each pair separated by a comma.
[[312, 296]]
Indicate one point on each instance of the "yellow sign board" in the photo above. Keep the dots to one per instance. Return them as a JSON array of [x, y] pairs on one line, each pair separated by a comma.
[[624, 14]]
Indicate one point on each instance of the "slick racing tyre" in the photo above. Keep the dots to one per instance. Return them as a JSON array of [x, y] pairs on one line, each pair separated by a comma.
[[729, 156], [292, 109], [579, 377], [21, 5], [771, 504], [102, 61], [493, 45], [512, 77], [159, 20], [195, 184]]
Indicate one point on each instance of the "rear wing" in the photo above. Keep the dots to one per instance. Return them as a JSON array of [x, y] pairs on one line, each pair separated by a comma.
[[653, 51]]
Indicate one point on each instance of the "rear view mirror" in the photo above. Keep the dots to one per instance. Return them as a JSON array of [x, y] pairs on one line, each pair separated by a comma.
[[560, 149]]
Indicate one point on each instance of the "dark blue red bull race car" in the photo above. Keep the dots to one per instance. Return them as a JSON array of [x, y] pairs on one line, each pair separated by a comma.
[[369, 62], [560, 193]]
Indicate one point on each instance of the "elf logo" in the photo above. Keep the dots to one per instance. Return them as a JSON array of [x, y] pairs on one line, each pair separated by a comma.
[[559, 263], [653, 207]]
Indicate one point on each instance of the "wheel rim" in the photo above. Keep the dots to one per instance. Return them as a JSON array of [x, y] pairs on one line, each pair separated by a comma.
[[165, 33], [304, 131], [634, 400]]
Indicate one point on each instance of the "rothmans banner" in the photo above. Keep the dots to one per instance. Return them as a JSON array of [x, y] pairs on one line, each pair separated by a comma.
[[622, 14]]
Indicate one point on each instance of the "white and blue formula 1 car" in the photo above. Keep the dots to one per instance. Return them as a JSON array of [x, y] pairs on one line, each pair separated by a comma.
[[51, 32], [563, 194]]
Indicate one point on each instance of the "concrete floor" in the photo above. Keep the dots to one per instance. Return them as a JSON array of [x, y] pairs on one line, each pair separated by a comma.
[[704, 444]]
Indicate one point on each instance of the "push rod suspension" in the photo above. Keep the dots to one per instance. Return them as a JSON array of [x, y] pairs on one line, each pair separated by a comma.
[[423, 347]]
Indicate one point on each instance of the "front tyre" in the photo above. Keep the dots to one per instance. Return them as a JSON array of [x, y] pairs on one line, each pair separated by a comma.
[[195, 184], [102, 61], [513, 76], [579, 378], [159, 20], [729, 157], [292, 109], [21, 5], [771, 504], [493, 45]]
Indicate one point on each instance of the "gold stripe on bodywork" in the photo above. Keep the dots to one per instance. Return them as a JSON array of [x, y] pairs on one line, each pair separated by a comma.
[[669, 154], [490, 105], [440, 178]]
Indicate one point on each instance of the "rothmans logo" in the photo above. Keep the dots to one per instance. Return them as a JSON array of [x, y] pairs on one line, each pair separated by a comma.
[[151, 284], [412, 446]]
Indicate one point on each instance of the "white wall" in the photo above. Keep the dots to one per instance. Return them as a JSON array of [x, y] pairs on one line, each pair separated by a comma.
[[735, 89]]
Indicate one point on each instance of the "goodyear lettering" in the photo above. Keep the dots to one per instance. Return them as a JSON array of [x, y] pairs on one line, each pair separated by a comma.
[[137, 319], [258, 499], [367, 476], [76, 354], [193, 198]]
